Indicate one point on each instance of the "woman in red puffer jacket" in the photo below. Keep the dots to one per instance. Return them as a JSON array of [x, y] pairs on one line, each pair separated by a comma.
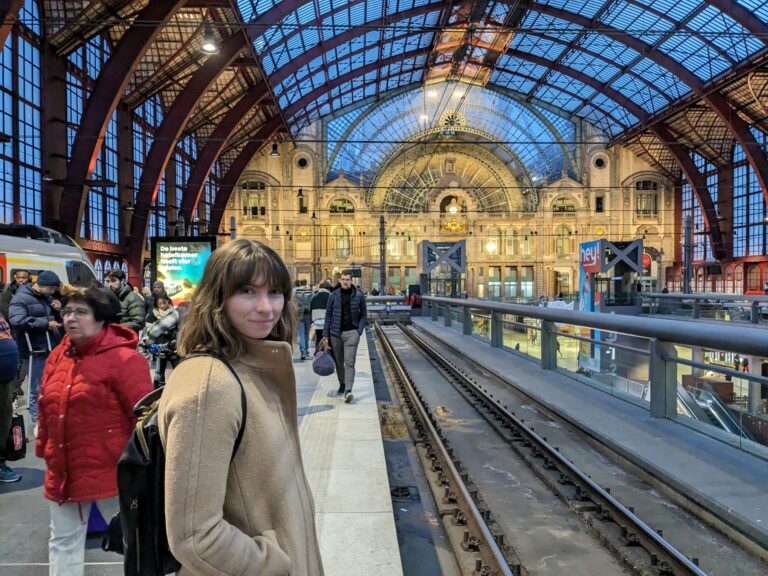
[[91, 382]]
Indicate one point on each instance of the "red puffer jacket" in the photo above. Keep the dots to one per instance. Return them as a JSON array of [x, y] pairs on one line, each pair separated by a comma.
[[86, 413]]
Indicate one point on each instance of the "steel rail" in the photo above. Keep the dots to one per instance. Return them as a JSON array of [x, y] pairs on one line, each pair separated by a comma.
[[762, 299], [648, 537], [740, 339], [456, 480]]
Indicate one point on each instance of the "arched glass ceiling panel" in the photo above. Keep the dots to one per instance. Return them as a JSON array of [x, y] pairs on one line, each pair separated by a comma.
[[314, 49], [361, 51], [372, 136], [705, 40]]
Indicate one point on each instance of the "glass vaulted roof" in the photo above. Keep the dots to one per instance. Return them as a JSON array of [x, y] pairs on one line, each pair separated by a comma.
[[611, 62], [536, 144]]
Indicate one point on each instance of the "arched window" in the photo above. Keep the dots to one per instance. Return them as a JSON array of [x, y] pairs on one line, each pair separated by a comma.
[[510, 242], [563, 206], [410, 244], [145, 119], [729, 280], [343, 243], [20, 81], [526, 242], [738, 282], [99, 270], [646, 198], [253, 198], [101, 217], [493, 244], [395, 244], [123, 267], [563, 241], [753, 278], [341, 206]]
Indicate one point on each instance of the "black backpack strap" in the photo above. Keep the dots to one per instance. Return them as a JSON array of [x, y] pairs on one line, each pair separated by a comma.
[[243, 400]]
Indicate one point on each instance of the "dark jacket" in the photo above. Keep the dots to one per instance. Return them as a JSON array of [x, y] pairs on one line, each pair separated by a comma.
[[29, 315], [318, 304], [134, 313], [6, 296], [333, 312], [9, 353]]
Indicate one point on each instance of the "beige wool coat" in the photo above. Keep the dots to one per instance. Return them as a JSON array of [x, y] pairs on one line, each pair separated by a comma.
[[255, 516]]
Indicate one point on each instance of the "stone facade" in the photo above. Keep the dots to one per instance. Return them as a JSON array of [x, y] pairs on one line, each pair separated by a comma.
[[522, 242]]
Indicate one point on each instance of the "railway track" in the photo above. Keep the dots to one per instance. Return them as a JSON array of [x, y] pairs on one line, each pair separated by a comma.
[[602, 521]]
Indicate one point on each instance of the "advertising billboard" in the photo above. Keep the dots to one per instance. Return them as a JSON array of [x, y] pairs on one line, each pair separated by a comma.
[[590, 257], [178, 262]]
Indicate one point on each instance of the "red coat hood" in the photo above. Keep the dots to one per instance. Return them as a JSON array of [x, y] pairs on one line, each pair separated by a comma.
[[111, 336]]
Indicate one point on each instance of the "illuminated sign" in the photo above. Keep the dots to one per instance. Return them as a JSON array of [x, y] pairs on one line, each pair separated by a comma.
[[178, 262]]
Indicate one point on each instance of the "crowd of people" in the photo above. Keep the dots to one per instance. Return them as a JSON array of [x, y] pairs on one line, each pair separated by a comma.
[[79, 353]]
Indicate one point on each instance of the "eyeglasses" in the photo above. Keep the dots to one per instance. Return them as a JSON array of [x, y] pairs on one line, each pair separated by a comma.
[[78, 312]]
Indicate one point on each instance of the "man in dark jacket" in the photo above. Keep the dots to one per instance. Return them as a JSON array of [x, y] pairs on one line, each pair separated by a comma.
[[134, 314], [34, 317], [20, 277], [345, 320]]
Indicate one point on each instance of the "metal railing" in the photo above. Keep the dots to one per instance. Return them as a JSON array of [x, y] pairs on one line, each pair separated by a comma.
[[714, 306], [650, 361]]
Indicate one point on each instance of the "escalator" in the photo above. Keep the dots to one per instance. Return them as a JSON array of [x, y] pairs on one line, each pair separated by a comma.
[[705, 406]]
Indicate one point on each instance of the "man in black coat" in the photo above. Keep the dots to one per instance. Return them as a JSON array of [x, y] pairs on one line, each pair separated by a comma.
[[35, 318], [346, 317]]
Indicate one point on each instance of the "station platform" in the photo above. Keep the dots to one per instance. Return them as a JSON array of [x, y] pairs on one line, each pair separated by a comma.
[[343, 455], [710, 473]]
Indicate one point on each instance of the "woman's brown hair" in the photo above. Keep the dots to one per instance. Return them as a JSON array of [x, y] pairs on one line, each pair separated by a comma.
[[230, 268]]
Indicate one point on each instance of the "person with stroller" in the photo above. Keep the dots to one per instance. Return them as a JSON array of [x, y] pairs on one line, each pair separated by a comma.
[[160, 337]]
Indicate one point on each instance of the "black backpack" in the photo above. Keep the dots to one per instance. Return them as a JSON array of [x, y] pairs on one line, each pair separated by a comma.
[[138, 529]]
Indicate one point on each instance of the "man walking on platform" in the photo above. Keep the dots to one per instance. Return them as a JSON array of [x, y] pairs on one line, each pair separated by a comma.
[[345, 320]]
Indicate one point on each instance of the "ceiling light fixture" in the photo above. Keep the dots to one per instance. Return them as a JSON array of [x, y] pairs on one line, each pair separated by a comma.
[[47, 176], [275, 152], [209, 46]]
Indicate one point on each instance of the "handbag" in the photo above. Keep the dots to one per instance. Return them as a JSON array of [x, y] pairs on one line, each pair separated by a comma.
[[16, 442], [323, 364]]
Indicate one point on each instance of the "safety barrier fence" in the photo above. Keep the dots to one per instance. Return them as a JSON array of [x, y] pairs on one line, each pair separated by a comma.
[[680, 370], [722, 307]]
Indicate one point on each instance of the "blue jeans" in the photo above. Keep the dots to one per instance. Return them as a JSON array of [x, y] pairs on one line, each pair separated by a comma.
[[35, 373], [304, 324]]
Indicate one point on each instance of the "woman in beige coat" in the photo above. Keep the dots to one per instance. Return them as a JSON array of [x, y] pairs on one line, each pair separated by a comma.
[[250, 514]]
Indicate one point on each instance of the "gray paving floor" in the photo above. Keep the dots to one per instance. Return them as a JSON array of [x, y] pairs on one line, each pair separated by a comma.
[[24, 516]]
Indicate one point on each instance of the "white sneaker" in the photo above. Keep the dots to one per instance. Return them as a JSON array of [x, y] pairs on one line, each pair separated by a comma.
[[34, 431], [348, 397]]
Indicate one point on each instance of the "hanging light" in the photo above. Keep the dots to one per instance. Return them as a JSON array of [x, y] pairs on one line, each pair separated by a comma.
[[277, 228], [209, 46], [300, 194], [314, 216], [47, 176], [275, 152]]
